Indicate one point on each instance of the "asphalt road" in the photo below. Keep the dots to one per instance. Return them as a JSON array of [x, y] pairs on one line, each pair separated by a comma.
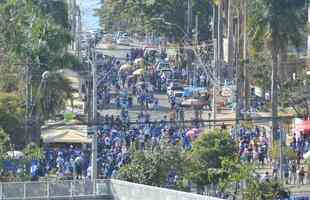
[[120, 51]]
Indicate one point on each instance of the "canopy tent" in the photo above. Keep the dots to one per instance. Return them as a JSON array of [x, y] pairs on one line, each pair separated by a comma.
[[307, 156], [192, 102], [126, 67], [138, 61], [304, 127], [15, 154], [66, 134], [138, 72]]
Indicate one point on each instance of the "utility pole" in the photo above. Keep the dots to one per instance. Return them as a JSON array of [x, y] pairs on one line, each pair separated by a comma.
[[94, 120], [189, 17], [196, 30], [237, 65], [215, 47], [79, 29], [230, 33], [27, 80], [219, 41], [245, 57]]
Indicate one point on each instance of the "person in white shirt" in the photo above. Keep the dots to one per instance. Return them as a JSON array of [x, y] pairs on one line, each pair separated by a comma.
[[89, 171]]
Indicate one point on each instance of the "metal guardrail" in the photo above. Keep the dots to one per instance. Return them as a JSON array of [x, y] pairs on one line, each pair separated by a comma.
[[54, 189], [82, 189]]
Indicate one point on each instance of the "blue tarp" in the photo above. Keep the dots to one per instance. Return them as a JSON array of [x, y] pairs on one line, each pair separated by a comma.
[[188, 91]]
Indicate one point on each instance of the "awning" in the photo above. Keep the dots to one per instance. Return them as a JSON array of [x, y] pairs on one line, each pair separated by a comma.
[[66, 134], [138, 61], [192, 102], [126, 67], [304, 127], [138, 72]]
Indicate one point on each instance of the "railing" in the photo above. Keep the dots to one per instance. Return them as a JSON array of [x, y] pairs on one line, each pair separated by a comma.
[[54, 189], [122, 190]]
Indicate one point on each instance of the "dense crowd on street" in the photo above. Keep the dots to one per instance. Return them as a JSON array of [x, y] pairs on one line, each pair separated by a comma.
[[115, 144], [255, 145], [118, 138]]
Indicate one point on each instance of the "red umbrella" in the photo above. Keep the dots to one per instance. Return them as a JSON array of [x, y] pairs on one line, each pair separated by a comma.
[[304, 127], [193, 133]]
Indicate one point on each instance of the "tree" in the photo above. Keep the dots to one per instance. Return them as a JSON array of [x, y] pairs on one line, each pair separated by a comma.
[[275, 23], [11, 116], [4, 142], [55, 92], [205, 159], [296, 94], [34, 36], [137, 16], [152, 168]]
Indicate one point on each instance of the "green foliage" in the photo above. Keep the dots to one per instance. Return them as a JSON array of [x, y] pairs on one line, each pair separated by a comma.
[[4, 142], [11, 113], [296, 94], [69, 116], [36, 34], [32, 151], [213, 160], [259, 190], [55, 92], [205, 159], [152, 168], [276, 22], [137, 15], [244, 174]]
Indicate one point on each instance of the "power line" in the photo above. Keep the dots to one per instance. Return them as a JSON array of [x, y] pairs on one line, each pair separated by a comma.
[[224, 120]]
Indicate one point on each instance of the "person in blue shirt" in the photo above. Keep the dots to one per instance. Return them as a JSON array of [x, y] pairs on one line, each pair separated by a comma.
[[34, 169]]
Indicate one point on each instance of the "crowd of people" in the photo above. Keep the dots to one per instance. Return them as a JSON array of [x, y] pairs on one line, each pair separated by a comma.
[[118, 137], [117, 141], [254, 147], [115, 145]]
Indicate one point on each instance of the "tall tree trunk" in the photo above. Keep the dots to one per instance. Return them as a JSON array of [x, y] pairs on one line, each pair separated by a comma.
[[220, 41], [230, 33], [274, 92], [238, 73], [284, 71], [245, 58]]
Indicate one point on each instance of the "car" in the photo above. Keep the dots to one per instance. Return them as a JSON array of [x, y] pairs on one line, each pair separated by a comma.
[[178, 95], [174, 87], [107, 38], [162, 65], [123, 41]]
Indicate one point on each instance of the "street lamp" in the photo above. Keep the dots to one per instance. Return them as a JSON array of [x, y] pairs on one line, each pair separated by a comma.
[[162, 20]]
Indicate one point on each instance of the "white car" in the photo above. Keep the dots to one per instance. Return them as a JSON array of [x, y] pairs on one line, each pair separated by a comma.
[[174, 87], [160, 66], [123, 41], [178, 97]]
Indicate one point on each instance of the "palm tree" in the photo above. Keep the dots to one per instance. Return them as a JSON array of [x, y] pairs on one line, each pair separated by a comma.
[[274, 23], [54, 95]]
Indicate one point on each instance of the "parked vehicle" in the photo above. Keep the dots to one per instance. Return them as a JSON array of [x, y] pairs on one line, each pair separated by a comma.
[[162, 65], [174, 87], [123, 40]]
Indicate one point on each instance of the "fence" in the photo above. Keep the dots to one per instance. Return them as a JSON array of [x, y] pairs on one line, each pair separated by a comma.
[[54, 189], [81, 189]]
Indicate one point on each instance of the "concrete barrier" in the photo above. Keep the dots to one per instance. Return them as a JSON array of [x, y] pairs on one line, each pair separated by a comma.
[[122, 190]]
